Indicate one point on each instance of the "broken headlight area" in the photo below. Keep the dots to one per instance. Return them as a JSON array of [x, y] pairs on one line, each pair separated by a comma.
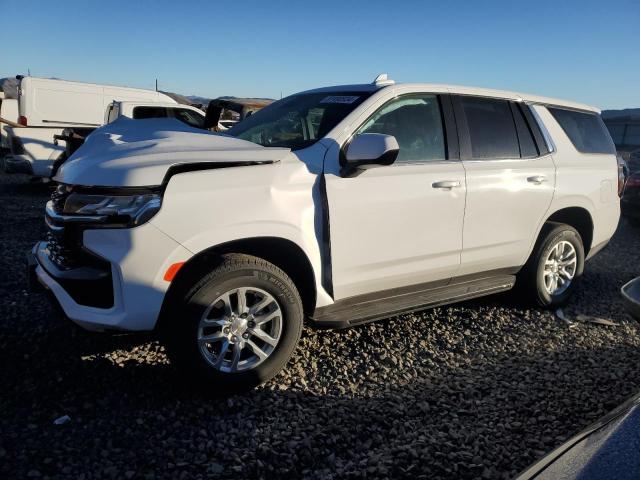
[[127, 210]]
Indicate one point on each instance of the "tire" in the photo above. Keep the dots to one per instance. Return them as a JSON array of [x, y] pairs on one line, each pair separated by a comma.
[[534, 282], [201, 362]]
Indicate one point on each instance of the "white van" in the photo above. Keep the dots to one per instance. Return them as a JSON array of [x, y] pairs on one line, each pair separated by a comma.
[[46, 106]]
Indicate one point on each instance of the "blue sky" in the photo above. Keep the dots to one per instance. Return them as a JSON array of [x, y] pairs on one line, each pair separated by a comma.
[[581, 50]]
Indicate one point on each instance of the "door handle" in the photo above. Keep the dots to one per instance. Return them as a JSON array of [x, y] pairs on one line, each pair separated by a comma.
[[446, 184], [537, 179]]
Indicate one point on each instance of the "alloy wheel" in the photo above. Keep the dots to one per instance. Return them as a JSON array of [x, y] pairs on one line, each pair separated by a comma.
[[560, 267], [240, 329]]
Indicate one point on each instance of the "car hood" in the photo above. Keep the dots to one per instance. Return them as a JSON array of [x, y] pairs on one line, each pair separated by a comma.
[[128, 153]]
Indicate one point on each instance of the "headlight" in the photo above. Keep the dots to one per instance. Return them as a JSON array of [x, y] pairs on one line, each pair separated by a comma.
[[123, 210]]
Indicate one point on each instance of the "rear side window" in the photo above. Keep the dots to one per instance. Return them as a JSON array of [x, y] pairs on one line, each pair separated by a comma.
[[140, 113], [492, 130], [586, 131]]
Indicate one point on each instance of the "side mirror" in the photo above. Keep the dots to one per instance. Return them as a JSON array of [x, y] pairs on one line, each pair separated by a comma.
[[369, 149]]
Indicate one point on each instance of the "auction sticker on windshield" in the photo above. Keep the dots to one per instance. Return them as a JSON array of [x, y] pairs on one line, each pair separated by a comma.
[[340, 99]]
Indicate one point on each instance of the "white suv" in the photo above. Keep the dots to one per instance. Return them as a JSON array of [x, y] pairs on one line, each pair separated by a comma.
[[339, 205]]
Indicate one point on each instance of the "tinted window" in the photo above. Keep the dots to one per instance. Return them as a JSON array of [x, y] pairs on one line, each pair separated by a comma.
[[416, 123], [191, 118], [586, 131], [298, 121], [525, 135], [534, 124], [140, 113], [492, 130]]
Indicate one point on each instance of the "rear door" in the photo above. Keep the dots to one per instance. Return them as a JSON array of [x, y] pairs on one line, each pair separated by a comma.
[[399, 225], [510, 177]]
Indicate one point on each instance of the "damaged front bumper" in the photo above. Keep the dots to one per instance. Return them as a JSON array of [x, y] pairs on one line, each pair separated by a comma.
[[124, 290]]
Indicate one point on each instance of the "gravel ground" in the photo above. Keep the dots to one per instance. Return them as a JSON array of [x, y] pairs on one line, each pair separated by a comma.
[[475, 390]]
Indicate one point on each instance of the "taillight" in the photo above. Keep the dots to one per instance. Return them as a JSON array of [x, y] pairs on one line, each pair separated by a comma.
[[22, 120]]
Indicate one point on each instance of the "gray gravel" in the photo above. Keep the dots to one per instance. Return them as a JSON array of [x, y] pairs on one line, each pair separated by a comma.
[[476, 390]]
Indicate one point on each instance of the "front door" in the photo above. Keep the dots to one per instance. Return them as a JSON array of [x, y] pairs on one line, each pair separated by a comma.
[[398, 225]]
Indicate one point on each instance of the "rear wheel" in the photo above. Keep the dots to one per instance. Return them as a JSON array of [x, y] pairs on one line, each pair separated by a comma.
[[237, 327], [555, 266]]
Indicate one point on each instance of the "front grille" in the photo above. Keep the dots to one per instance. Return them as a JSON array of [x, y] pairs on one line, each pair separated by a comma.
[[63, 244], [64, 253], [84, 276]]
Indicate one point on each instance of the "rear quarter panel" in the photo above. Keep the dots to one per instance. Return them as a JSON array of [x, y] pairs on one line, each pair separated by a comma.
[[584, 180]]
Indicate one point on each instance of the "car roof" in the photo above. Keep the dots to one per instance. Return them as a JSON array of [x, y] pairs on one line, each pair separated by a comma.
[[459, 89]]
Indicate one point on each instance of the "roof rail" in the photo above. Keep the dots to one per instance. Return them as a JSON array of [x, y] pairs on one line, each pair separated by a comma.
[[383, 79]]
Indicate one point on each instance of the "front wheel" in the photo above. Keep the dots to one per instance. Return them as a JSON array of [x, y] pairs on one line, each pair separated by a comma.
[[237, 327], [555, 266]]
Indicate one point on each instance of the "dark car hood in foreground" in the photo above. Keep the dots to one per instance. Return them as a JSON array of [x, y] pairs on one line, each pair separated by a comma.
[[609, 449]]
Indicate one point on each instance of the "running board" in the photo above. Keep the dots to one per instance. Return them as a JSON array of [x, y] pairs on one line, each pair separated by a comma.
[[370, 307]]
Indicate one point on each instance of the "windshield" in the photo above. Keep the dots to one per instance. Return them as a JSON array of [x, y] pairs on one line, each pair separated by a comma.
[[298, 121]]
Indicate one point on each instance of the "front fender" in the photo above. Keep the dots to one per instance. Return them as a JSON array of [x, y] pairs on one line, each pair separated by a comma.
[[205, 209]]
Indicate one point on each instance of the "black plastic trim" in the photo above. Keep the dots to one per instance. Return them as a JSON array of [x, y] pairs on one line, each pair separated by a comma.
[[192, 167], [450, 127], [535, 130], [378, 305], [464, 139], [522, 129], [88, 285]]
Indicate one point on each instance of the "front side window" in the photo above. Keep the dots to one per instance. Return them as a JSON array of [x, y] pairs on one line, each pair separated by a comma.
[[586, 131], [298, 121], [191, 118], [492, 130], [416, 123]]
